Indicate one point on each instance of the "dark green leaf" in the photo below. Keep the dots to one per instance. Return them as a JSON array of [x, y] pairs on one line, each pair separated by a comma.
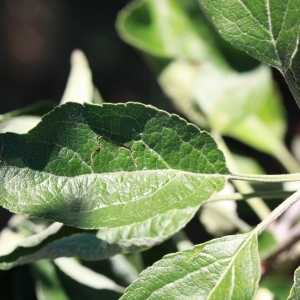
[[268, 30]]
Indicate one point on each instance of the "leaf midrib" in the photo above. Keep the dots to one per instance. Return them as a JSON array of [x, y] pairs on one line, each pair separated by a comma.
[[227, 175]]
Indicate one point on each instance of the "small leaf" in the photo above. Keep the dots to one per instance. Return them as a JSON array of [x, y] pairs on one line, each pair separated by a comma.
[[167, 28], [225, 268], [267, 30], [295, 291], [80, 87], [108, 166]]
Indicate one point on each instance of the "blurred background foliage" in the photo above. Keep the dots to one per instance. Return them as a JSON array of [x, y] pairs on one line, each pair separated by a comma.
[[37, 38]]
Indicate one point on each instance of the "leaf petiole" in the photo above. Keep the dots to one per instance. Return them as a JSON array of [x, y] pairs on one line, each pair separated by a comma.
[[265, 178]]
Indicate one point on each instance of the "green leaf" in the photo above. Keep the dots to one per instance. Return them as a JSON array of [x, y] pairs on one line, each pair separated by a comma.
[[108, 166], [167, 28], [295, 291], [53, 283], [80, 86], [267, 30], [86, 276], [225, 268], [267, 245], [63, 241]]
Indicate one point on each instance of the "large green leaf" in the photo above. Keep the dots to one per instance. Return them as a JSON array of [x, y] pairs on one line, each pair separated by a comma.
[[268, 30], [108, 166], [225, 268]]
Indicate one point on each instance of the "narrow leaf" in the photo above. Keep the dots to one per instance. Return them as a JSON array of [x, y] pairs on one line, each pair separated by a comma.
[[225, 268]]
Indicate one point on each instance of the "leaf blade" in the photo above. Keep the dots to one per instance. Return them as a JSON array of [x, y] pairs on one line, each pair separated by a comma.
[[209, 265], [267, 30], [90, 166]]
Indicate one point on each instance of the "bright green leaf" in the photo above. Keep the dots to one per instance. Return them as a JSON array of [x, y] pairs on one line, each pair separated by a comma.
[[47, 284], [268, 30], [107, 166], [225, 268]]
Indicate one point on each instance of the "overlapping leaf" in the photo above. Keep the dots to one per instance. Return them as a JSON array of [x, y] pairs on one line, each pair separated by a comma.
[[108, 166], [225, 268]]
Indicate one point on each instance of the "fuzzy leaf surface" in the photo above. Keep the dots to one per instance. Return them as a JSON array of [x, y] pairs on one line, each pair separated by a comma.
[[268, 30], [106, 166], [225, 268]]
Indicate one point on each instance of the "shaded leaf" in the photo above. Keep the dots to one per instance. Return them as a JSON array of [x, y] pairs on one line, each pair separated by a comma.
[[86, 276], [63, 241], [20, 124], [225, 268]]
